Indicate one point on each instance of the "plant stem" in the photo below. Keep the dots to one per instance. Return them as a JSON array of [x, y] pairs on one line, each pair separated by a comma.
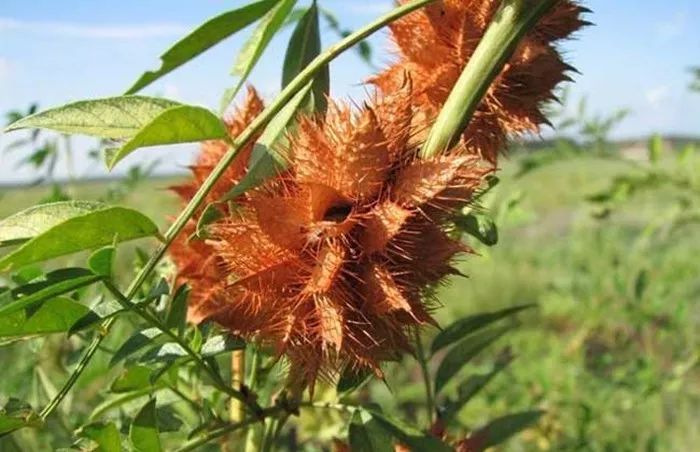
[[330, 406], [427, 381], [512, 21], [221, 431], [198, 199], [253, 435], [236, 409]]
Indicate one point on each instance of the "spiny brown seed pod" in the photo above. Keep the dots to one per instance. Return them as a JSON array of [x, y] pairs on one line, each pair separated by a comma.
[[328, 263], [196, 263], [435, 44]]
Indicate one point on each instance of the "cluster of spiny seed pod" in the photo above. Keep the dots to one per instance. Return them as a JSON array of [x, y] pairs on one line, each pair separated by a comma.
[[329, 262], [434, 45]]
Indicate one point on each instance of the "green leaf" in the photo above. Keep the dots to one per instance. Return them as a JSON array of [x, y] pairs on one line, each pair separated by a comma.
[[104, 434], [177, 314], [468, 325], [221, 344], [499, 430], [408, 435], [132, 379], [304, 46], [97, 314], [364, 50], [641, 283], [88, 231], [352, 379], [168, 420], [470, 388], [31, 222], [56, 283], [203, 38], [366, 434], [209, 215], [55, 316], [113, 117], [264, 161], [136, 342], [17, 414], [120, 400], [463, 352], [144, 430], [179, 124], [254, 47], [102, 261], [480, 227], [170, 351]]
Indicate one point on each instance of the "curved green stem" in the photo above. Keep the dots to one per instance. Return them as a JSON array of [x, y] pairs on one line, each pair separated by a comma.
[[512, 21], [198, 199]]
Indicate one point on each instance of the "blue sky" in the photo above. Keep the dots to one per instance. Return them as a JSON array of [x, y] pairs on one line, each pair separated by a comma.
[[637, 57]]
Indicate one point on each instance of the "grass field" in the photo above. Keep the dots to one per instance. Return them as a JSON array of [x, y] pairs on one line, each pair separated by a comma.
[[612, 351]]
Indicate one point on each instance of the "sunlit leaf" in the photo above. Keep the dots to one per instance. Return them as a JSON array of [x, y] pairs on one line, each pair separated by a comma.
[[132, 379], [203, 38], [170, 351], [254, 47], [221, 344], [102, 261], [55, 284], [17, 414], [463, 352], [179, 124], [144, 433], [133, 344], [102, 310], [33, 221], [57, 315], [468, 325], [83, 232], [305, 45], [104, 434], [112, 117], [119, 400]]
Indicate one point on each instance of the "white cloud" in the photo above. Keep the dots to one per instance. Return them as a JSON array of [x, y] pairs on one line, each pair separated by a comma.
[[79, 30], [672, 27], [5, 68], [658, 95]]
